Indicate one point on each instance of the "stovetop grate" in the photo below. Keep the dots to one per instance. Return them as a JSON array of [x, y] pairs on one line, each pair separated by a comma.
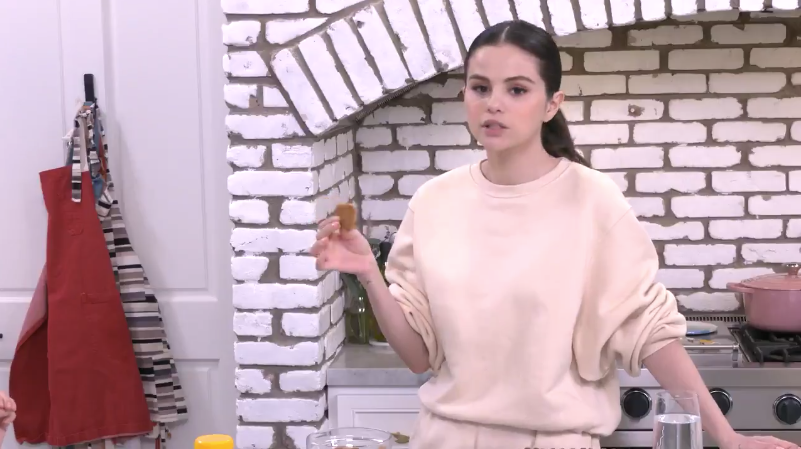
[[762, 346]]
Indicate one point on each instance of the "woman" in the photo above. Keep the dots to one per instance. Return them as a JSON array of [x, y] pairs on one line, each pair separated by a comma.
[[521, 280], [7, 414]]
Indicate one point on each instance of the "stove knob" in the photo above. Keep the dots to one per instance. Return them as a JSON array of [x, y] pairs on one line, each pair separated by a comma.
[[636, 403], [787, 409], [723, 399]]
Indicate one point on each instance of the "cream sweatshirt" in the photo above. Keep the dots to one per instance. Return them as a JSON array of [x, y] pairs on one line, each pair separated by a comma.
[[527, 297]]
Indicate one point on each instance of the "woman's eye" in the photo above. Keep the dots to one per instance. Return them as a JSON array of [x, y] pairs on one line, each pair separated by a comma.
[[480, 89], [518, 91]]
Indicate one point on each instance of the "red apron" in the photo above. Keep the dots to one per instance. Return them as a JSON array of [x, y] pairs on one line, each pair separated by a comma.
[[74, 375]]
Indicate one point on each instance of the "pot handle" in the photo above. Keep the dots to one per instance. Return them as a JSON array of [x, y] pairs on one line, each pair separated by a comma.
[[739, 287]]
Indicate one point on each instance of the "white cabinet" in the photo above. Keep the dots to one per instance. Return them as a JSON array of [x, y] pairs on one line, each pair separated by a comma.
[[392, 410]]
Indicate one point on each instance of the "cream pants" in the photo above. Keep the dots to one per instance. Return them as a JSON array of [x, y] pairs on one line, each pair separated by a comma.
[[435, 432]]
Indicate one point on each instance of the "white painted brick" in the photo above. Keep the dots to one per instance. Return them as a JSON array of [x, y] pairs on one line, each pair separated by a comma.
[[298, 434], [705, 109], [332, 174], [391, 161], [585, 39], [433, 135], [281, 409], [708, 206], [451, 88], [683, 10], [302, 380], [620, 179], [680, 277], [337, 308], [621, 61], [745, 229], [751, 33], [528, 10], [774, 107], [795, 131], [297, 212], [748, 131], [271, 97], [312, 324], [795, 79], [396, 115], [253, 381], [393, 209], [625, 110], [332, 6], [381, 231], [300, 91], [661, 182], [623, 12], [373, 137], [276, 126], [573, 111], [334, 339], [794, 228], [246, 156], [593, 14], [281, 31], [271, 240], [449, 159], [669, 132], [599, 134], [264, 6], [647, 207], [775, 57], [468, 20], [249, 211], [723, 276], [409, 184], [771, 252], [415, 51], [449, 112], [241, 33], [298, 156], [300, 268], [246, 64], [706, 59], [627, 157], [255, 324], [785, 4], [714, 16], [252, 437], [272, 183], [704, 156], [776, 156], [666, 35], [248, 268], [748, 181], [562, 17], [743, 83], [276, 296], [583, 85], [718, 5], [305, 353], [441, 33], [566, 60], [372, 185], [667, 83], [775, 205], [795, 181], [653, 11], [691, 230], [710, 302], [775, 14], [699, 254], [239, 95], [354, 60], [324, 70], [379, 44]]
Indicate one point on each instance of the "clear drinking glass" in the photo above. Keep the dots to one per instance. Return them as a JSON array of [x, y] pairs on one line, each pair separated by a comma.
[[677, 424], [350, 437]]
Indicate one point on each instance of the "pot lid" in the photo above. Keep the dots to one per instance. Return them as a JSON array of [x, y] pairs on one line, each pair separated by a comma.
[[778, 281]]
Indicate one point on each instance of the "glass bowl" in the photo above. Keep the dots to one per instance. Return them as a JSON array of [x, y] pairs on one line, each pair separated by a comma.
[[350, 437]]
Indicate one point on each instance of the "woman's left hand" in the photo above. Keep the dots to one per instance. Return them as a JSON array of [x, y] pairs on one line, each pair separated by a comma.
[[738, 441]]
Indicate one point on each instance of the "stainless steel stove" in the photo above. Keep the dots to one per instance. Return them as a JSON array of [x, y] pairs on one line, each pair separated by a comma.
[[754, 376]]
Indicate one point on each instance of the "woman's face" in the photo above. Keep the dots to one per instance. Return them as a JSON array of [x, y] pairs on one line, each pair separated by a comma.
[[505, 98]]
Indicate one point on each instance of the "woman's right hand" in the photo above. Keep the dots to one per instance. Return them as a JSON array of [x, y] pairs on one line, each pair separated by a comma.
[[8, 411], [343, 251]]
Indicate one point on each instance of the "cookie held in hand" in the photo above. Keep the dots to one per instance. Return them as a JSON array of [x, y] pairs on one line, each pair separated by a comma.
[[347, 216]]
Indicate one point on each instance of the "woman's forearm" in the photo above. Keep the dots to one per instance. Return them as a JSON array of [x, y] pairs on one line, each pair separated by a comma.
[[675, 371], [404, 340]]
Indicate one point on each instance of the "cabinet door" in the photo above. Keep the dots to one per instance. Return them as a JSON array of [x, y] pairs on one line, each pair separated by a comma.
[[395, 413]]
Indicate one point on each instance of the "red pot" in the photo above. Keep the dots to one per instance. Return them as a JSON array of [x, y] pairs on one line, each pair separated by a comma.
[[772, 301]]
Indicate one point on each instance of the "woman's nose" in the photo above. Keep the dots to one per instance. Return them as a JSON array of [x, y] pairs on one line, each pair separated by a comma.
[[494, 103]]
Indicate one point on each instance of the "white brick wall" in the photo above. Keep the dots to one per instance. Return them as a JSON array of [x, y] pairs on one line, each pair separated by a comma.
[[696, 119]]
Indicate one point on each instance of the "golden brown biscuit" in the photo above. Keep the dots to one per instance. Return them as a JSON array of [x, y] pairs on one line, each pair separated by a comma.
[[347, 216]]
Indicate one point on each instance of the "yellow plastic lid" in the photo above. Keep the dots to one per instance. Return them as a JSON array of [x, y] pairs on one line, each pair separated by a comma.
[[215, 441]]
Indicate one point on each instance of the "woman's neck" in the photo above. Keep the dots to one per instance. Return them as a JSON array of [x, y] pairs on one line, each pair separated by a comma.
[[517, 166]]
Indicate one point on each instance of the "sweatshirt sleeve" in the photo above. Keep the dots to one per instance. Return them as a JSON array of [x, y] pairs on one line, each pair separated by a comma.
[[625, 315], [405, 286]]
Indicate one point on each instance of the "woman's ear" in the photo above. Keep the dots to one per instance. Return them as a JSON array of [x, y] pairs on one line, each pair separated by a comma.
[[553, 105]]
